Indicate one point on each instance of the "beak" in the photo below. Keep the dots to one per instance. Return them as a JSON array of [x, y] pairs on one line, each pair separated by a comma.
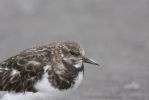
[[90, 61]]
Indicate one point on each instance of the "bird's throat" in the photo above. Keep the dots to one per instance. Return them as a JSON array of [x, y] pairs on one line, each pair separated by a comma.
[[78, 65]]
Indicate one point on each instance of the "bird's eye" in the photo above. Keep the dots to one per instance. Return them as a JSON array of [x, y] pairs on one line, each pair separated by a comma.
[[74, 53]]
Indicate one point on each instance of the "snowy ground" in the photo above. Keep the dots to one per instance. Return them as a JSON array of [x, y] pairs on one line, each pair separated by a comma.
[[114, 32]]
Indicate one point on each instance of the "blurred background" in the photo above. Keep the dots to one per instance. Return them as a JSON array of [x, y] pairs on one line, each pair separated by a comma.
[[113, 32]]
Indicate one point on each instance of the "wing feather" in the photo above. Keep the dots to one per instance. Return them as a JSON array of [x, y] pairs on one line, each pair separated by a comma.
[[21, 72]]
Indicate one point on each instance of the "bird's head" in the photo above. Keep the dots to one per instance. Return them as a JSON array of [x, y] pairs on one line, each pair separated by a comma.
[[73, 54]]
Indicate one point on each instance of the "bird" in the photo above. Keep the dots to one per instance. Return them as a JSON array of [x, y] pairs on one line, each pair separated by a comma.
[[44, 72]]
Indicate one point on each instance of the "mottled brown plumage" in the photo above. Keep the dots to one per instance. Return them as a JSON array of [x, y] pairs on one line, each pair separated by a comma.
[[20, 73]]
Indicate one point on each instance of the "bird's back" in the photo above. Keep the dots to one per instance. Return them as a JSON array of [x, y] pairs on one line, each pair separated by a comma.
[[19, 73]]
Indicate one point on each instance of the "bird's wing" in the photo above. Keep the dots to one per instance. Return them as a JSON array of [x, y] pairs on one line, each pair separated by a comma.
[[20, 73]]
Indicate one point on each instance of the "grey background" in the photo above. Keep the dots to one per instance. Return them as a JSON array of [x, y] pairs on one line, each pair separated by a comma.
[[114, 32]]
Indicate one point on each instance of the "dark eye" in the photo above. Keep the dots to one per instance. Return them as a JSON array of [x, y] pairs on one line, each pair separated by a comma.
[[74, 53]]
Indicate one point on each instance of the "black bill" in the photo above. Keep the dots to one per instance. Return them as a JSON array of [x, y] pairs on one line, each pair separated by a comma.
[[90, 61]]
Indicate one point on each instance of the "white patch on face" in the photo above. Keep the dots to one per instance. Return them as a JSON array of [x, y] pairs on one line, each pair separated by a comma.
[[78, 65]]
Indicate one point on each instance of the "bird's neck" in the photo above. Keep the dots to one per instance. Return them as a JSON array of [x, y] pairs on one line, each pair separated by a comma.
[[66, 79]]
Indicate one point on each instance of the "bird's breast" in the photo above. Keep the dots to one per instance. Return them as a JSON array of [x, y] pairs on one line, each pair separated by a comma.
[[44, 86], [45, 90]]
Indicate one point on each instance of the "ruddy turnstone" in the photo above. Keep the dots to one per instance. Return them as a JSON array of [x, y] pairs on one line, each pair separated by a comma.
[[43, 73]]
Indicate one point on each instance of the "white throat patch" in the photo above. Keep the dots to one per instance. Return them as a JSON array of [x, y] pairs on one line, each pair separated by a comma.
[[78, 65]]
